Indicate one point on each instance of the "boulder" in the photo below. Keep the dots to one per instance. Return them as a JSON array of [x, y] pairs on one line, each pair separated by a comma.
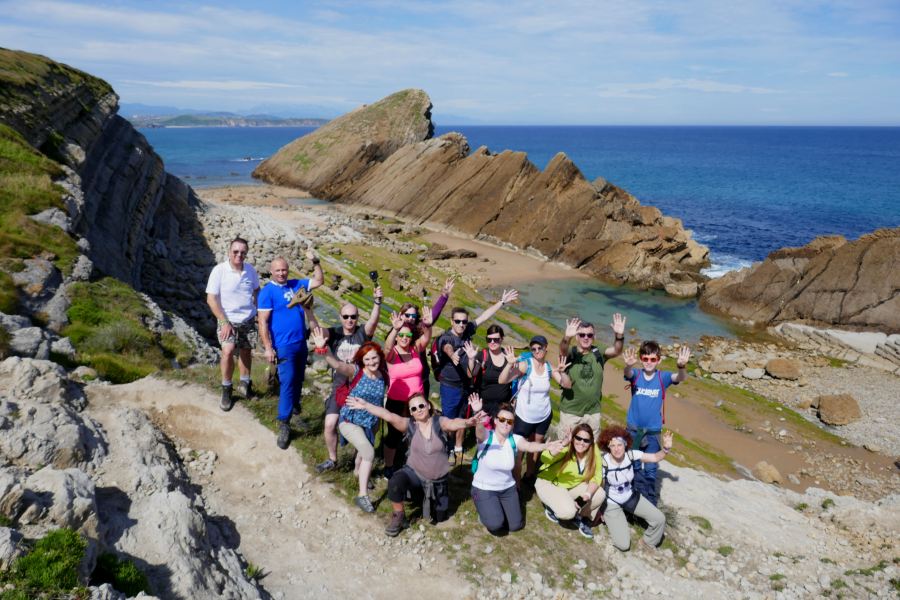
[[682, 289], [11, 547], [724, 366], [782, 368], [766, 473], [30, 342], [839, 409], [830, 281], [753, 373]]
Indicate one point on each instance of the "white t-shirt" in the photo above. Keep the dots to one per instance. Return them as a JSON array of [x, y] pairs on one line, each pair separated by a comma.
[[533, 399], [235, 290], [495, 468], [620, 475]]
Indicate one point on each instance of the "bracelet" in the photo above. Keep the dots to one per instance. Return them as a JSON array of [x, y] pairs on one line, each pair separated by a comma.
[[223, 322], [322, 350], [378, 302], [620, 339]]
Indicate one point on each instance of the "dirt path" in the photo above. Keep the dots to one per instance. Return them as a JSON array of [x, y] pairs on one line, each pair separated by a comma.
[[309, 543]]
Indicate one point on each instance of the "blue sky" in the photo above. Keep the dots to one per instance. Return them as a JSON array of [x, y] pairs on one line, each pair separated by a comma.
[[525, 62]]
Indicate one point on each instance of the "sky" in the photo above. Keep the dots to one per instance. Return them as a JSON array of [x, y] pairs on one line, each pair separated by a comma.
[[686, 62]]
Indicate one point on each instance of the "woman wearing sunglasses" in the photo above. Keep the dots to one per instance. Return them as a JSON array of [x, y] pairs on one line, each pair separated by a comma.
[[368, 376], [407, 371], [619, 469], [489, 364], [415, 317], [494, 485], [427, 465], [533, 410], [570, 483]]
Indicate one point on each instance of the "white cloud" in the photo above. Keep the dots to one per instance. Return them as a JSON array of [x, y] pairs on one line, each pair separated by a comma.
[[638, 90], [839, 74], [232, 85]]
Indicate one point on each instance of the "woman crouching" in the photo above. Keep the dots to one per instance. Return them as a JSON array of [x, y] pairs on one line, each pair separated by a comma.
[[497, 458], [427, 464], [618, 467], [570, 483]]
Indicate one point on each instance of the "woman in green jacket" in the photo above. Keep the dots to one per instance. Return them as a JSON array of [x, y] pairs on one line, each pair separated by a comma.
[[570, 484]]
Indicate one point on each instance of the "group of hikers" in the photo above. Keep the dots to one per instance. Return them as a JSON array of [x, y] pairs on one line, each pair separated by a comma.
[[585, 476]]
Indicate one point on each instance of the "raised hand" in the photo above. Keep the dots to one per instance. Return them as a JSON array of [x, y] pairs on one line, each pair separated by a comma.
[[475, 402], [557, 446], [396, 321], [509, 296], [426, 319], [684, 355], [562, 364], [618, 324], [509, 354], [310, 253], [668, 438], [448, 285], [454, 358], [318, 337], [630, 356], [470, 349], [572, 326]]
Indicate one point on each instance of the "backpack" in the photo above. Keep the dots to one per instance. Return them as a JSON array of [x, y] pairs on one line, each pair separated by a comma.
[[633, 386], [487, 446], [343, 391], [519, 382], [631, 503], [435, 428], [434, 357]]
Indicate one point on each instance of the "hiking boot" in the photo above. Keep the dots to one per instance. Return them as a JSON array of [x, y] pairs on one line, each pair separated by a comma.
[[584, 528], [245, 389], [227, 400], [365, 504], [551, 516], [328, 465], [398, 523], [284, 435]]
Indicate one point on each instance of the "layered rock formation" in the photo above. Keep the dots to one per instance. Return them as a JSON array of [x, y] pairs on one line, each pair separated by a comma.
[[382, 156], [135, 221], [829, 281]]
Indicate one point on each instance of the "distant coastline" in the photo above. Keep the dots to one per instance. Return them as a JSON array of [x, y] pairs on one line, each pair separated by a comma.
[[220, 120]]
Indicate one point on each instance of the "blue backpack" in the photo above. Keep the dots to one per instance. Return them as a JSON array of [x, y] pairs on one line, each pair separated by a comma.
[[520, 381], [487, 446]]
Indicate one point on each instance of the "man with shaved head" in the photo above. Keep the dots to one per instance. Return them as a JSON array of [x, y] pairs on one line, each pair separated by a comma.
[[344, 340], [282, 328]]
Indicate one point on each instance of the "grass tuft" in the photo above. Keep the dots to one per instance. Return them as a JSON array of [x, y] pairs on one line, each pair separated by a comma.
[[49, 569], [121, 574]]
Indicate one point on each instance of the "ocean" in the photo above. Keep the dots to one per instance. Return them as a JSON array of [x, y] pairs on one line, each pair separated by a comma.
[[743, 191]]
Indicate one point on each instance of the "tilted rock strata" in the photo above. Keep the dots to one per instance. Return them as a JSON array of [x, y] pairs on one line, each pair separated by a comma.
[[136, 222], [555, 213], [829, 281]]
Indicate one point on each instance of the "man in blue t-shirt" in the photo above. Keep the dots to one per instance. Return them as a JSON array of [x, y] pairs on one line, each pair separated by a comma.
[[283, 332], [646, 413]]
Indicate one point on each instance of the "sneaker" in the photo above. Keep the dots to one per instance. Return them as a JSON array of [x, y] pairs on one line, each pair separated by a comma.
[[584, 528], [551, 516], [227, 400], [284, 435], [328, 465], [365, 504], [398, 523], [452, 458], [246, 389]]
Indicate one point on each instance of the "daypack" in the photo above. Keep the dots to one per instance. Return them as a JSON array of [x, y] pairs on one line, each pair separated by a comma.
[[487, 445], [519, 382], [630, 504], [632, 385], [343, 391], [434, 357]]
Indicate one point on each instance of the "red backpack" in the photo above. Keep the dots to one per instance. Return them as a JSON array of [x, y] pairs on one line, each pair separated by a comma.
[[343, 391]]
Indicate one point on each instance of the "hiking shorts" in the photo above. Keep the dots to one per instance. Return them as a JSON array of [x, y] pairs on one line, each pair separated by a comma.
[[453, 401], [243, 335], [526, 429]]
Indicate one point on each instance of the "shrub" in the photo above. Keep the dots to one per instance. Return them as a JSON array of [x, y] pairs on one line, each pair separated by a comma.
[[726, 550], [53, 563], [121, 574]]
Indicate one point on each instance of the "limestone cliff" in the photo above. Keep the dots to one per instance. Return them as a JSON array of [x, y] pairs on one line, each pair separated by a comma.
[[829, 281], [133, 220], [383, 156]]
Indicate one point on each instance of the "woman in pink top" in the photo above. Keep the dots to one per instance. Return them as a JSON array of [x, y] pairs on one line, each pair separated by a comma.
[[406, 370]]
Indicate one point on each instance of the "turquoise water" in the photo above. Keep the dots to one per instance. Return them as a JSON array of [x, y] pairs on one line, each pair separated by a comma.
[[652, 313]]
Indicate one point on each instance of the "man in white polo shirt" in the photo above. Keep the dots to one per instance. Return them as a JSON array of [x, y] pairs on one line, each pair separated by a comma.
[[231, 294]]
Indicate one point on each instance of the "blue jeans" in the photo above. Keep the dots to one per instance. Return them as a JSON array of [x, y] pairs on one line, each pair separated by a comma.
[[645, 478], [291, 372]]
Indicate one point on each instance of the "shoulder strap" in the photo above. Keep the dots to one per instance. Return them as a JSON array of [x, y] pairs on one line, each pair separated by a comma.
[[663, 392], [437, 430], [597, 354], [512, 442], [356, 378], [487, 444]]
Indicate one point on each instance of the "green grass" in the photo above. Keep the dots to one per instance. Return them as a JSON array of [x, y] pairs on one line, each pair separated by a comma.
[[881, 566], [254, 572], [801, 507], [49, 569], [5, 521], [725, 550], [121, 574], [5, 338], [827, 503], [106, 327], [702, 522]]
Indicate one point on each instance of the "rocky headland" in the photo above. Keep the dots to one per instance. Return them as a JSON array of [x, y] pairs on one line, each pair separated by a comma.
[[382, 157]]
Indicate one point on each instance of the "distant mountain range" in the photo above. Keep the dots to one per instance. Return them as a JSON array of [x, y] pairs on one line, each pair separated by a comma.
[[220, 120]]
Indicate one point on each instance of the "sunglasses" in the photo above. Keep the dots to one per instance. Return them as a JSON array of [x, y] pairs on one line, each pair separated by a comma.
[[505, 420], [406, 334], [586, 335], [538, 349], [583, 440], [411, 315], [417, 408], [460, 321], [650, 359], [494, 340], [350, 317]]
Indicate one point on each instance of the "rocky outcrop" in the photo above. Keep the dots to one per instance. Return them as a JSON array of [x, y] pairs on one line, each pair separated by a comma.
[[555, 213], [830, 281], [134, 221], [838, 409]]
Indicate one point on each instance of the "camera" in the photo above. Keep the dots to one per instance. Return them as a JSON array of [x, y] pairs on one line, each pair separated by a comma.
[[373, 275]]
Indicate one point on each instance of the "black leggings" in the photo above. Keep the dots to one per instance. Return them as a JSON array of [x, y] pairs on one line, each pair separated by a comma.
[[394, 437], [406, 480]]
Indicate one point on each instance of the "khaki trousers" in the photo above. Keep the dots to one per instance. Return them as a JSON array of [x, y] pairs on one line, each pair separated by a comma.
[[357, 437], [562, 501], [569, 421]]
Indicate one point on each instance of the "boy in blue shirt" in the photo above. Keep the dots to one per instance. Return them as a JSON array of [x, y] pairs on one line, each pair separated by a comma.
[[646, 413]]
